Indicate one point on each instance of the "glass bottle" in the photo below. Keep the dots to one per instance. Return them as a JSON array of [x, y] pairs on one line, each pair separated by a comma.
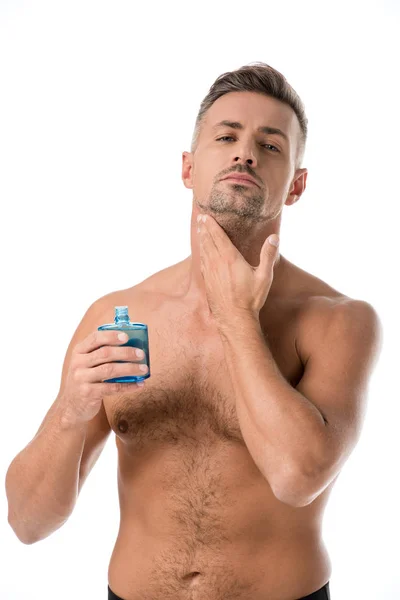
[[138, 338]]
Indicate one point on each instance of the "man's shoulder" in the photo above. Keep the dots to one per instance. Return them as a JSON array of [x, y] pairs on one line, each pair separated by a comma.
[[320, 310], [146, 293], [312, 294], [323, 313], [319, 305], [319, 299]]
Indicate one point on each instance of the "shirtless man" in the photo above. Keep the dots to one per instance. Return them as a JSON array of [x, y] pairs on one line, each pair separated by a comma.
[[259, 374]]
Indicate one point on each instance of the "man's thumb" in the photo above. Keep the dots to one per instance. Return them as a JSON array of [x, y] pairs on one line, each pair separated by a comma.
[[273, 240]]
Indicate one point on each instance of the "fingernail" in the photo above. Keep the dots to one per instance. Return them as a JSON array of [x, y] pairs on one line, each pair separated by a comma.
[[274, 240]]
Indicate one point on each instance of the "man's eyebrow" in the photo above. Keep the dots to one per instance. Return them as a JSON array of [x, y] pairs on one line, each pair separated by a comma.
[[263, 129]]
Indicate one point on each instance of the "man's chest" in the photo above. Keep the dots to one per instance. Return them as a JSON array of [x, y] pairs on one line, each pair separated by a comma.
[[189, 395]]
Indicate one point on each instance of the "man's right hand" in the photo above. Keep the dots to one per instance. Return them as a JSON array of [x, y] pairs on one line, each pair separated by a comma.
[[92, 361]]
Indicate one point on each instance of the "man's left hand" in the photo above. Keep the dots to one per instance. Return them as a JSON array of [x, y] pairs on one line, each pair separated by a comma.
[[233, 287]]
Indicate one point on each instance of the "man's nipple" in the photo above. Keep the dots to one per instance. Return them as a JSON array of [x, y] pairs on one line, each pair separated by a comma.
[[123, 425]]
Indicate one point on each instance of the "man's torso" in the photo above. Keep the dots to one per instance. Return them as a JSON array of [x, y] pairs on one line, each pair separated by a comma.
[[198, 519]]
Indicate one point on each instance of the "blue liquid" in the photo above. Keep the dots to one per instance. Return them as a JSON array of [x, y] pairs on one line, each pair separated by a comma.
[[138, 338]]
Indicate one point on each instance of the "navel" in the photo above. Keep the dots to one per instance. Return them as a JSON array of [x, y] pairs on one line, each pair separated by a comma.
[[191, 575]]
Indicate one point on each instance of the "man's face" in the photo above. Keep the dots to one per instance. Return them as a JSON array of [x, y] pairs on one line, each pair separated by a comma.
[[268, 157]]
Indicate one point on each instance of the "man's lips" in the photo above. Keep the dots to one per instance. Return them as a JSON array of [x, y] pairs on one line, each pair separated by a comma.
[[241, 178]]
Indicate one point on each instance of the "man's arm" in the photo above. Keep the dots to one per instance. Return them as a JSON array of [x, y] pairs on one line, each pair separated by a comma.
[[341, 357], [44, 480], [300, 438]]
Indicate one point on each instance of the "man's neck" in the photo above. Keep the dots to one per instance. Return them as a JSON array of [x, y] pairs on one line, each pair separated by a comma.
[[192, 288]]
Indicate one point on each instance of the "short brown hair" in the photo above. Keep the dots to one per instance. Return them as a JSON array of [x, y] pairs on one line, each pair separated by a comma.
[[256, 77]]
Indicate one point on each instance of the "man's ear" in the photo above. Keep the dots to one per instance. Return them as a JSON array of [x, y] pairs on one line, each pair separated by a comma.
[[187, 169], [298, 186]]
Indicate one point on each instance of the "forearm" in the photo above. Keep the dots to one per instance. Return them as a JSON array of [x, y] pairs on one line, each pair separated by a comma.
[[42, 482], [281, 428]]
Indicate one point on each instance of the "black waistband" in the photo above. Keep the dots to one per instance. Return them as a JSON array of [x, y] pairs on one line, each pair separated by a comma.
[[321, 594]]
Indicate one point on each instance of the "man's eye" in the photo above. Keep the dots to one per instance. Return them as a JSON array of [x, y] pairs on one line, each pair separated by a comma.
[[224, 137]]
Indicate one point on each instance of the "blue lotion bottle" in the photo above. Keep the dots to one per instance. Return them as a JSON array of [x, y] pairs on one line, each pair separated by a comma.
[[138, 338]]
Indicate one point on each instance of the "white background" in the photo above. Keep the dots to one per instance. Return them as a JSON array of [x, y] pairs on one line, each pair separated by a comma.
[[97, 102]]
